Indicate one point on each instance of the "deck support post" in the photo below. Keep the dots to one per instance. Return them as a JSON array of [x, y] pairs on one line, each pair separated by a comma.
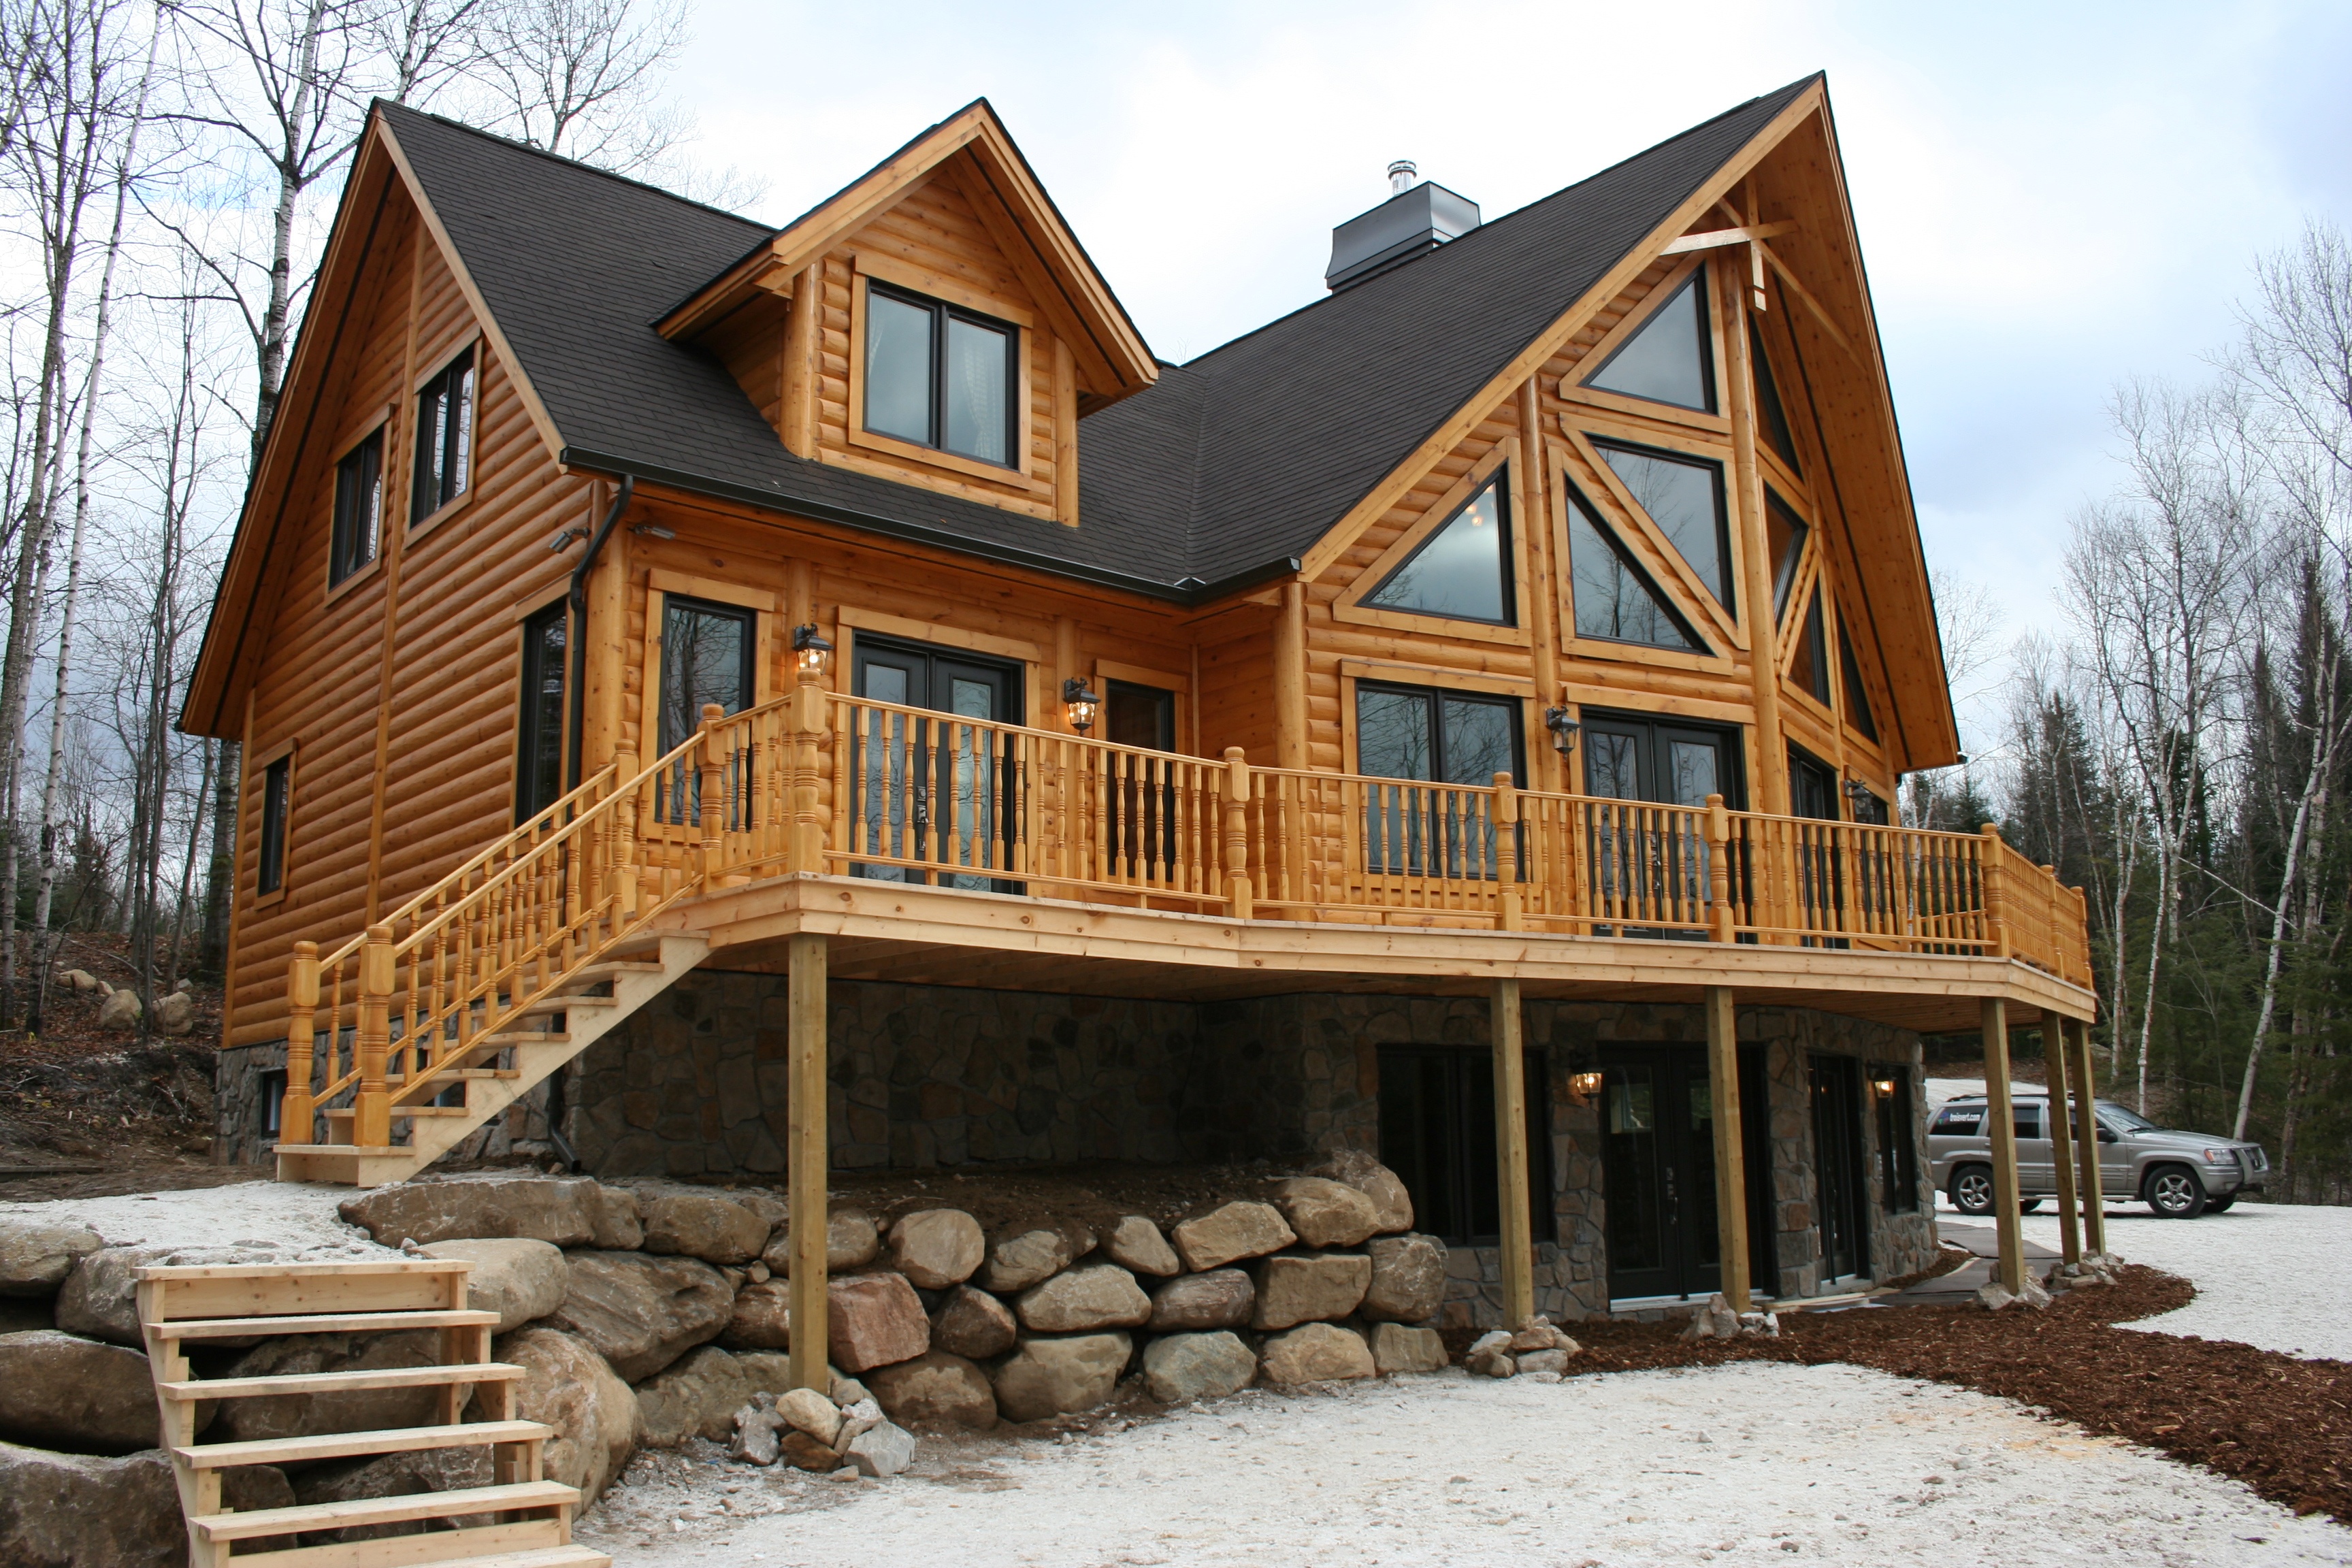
[[1517, 1239], [2058, 1059], [2087, 1142], [2007, 1221], [1730, 1152], [372, 1104], [807, 1162]]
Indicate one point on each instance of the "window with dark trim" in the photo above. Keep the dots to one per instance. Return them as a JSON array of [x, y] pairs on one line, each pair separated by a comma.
[[538, 748], [1614, 598], [277, 791], [1684, 496], [1857, 697], [444, 439], [1420, 733], [1462, 571], [359, 507], [1784, 533], [1669, 358], [1898, 1149], [1810, 668], [940, 375], [1437, 1133], [1768, 402]]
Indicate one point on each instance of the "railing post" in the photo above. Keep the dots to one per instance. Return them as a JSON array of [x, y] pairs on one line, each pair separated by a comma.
[[1995, 895], [1509, 913], [1238, 892], [810, 720], [294, 1107], [372, 1109], [710, 802], [624, 838], [1718, 871]]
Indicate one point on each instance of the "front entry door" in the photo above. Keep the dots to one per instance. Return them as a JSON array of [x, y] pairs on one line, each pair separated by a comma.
[[1650, 864], [935, 791], [1841, 1204], [1657, 1132]]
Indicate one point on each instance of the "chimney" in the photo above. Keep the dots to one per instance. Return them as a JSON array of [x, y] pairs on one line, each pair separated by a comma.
[[1416, 218]]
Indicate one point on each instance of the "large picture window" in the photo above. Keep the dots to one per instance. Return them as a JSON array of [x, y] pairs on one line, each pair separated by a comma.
[[1684, 496], [1615, 599], [359, 504], [539, 760], [1463, 570], [940, 375], [1437, 1133], [444, 439], [1408, 733]]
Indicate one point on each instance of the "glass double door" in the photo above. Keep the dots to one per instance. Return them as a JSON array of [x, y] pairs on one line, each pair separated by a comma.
[[1841, 1192], [934, 793], [1647, 863], [1657, 1142]]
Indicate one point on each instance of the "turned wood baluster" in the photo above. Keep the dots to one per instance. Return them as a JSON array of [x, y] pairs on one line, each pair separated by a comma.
[[624, 815], [294, 1109]]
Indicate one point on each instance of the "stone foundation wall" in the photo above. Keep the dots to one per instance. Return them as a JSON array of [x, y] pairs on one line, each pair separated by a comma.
[[241, 1133]]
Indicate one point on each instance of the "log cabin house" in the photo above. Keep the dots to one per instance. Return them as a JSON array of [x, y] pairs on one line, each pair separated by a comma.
[[729, 700]]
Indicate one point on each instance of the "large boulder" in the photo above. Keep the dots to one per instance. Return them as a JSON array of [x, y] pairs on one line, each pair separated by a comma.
[[1354, 1168], [1315, 1352], [1050, 1376], [935, 1390], [696, 1394], [703, 1225], [851, 1241], [935, 1248], [1408, 1282], [1318, 1288], [345, 1410], [1135, 1244], [1177, 1367], [36, 1259], [100, 1297], [519, 1278], [120, 1010], [1221, 1298], [1396, 1348], [561, 1210], [1028, 1255], [570, 1387], [642, 1313], [1082, 1299], [874, 1319], [615, 1224], [84, 1396], [1325, 1213], [77, 1511], [1227, 1234], [972, 1324], [761, 1319], [175, 1013]]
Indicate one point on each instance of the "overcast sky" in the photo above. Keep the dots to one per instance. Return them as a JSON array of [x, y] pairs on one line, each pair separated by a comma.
[[2049, 197]]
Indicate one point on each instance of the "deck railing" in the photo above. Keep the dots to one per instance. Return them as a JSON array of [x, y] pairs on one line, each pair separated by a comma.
[[817, 781]]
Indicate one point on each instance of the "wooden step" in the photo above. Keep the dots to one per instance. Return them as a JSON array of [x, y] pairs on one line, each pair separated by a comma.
[[521, 1038], [323, 1323], [340, 1381], [346, 1114], [544, 1557], [439, 1075], [611, 969], [564, 1005], [355, 1271], [525, 1543], [267, 1521], [343, 1445]]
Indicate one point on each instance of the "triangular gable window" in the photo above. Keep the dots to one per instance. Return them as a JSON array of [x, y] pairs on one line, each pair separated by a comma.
[[1810, 668], [1684, 496], [1615, 599], [1667, 360], [1785, 532], [1768, 400], [1857, 699], [1463, 570]]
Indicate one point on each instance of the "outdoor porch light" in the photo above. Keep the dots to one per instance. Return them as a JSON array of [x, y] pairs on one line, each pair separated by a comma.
[[1859, 793], [1563, 727], [1583, 1086], [811, 652], [1883, 1086], [1080, 704], [653, 531]]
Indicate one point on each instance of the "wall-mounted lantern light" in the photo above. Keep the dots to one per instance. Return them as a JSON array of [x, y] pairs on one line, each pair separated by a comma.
[[1883, 1086], [1583, 1086], [811, 652], [1080, 704], [1860, 794], [1563, 727]]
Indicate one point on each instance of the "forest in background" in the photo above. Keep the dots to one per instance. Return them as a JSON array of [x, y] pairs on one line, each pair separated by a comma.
[[2177, 745]]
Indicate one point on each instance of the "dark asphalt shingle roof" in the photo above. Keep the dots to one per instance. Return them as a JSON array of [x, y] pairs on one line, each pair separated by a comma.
[[1222, 471]]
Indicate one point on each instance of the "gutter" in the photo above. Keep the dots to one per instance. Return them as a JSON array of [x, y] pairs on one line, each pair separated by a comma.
[[578, 599]]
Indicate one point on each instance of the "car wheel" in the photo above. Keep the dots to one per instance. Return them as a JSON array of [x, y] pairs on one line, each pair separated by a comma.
[[2222, 1204], [2175, 1192], [1971, 1191]]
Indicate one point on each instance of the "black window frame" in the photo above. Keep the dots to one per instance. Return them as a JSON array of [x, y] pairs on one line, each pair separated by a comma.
[[432, 489], [1898, 1140], [1496, 484], [1579, 504], [277, 816], [942, 311], [1857, 695], [1784, 573], [358, 472], [1436, 697], [1466, 1131], [1811, 673], [1779, 435], [1714, 405], [531, 714], [1727, 591]]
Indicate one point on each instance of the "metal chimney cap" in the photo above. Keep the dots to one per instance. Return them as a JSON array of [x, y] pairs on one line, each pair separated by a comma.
[[1401, 176]]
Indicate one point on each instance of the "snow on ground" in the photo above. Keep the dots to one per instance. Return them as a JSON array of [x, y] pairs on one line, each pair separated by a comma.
[[2270, 1275], [299, 1217], [1744, 1463]]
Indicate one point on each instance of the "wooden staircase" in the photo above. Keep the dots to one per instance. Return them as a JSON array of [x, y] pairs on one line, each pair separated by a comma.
[[529, 1518]]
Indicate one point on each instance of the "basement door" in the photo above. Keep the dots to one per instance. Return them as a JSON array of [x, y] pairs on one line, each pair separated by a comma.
[[1657, 1132], [1840, 1197]]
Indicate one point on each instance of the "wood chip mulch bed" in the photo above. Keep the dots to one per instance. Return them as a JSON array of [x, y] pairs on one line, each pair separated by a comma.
[[2281, 1424]]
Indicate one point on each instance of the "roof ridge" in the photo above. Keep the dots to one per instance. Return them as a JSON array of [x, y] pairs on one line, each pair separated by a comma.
[[392, 106]]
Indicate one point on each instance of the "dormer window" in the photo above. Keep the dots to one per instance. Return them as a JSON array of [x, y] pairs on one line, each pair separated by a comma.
[[940, 375]]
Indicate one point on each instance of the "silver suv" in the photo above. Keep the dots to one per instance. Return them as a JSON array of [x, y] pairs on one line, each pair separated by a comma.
[[2178, 1175]]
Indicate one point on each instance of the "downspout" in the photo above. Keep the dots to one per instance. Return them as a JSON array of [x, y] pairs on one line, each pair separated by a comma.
[[578, 598]]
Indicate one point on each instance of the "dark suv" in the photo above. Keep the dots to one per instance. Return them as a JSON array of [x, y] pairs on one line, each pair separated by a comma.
[[2178, 1175]]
